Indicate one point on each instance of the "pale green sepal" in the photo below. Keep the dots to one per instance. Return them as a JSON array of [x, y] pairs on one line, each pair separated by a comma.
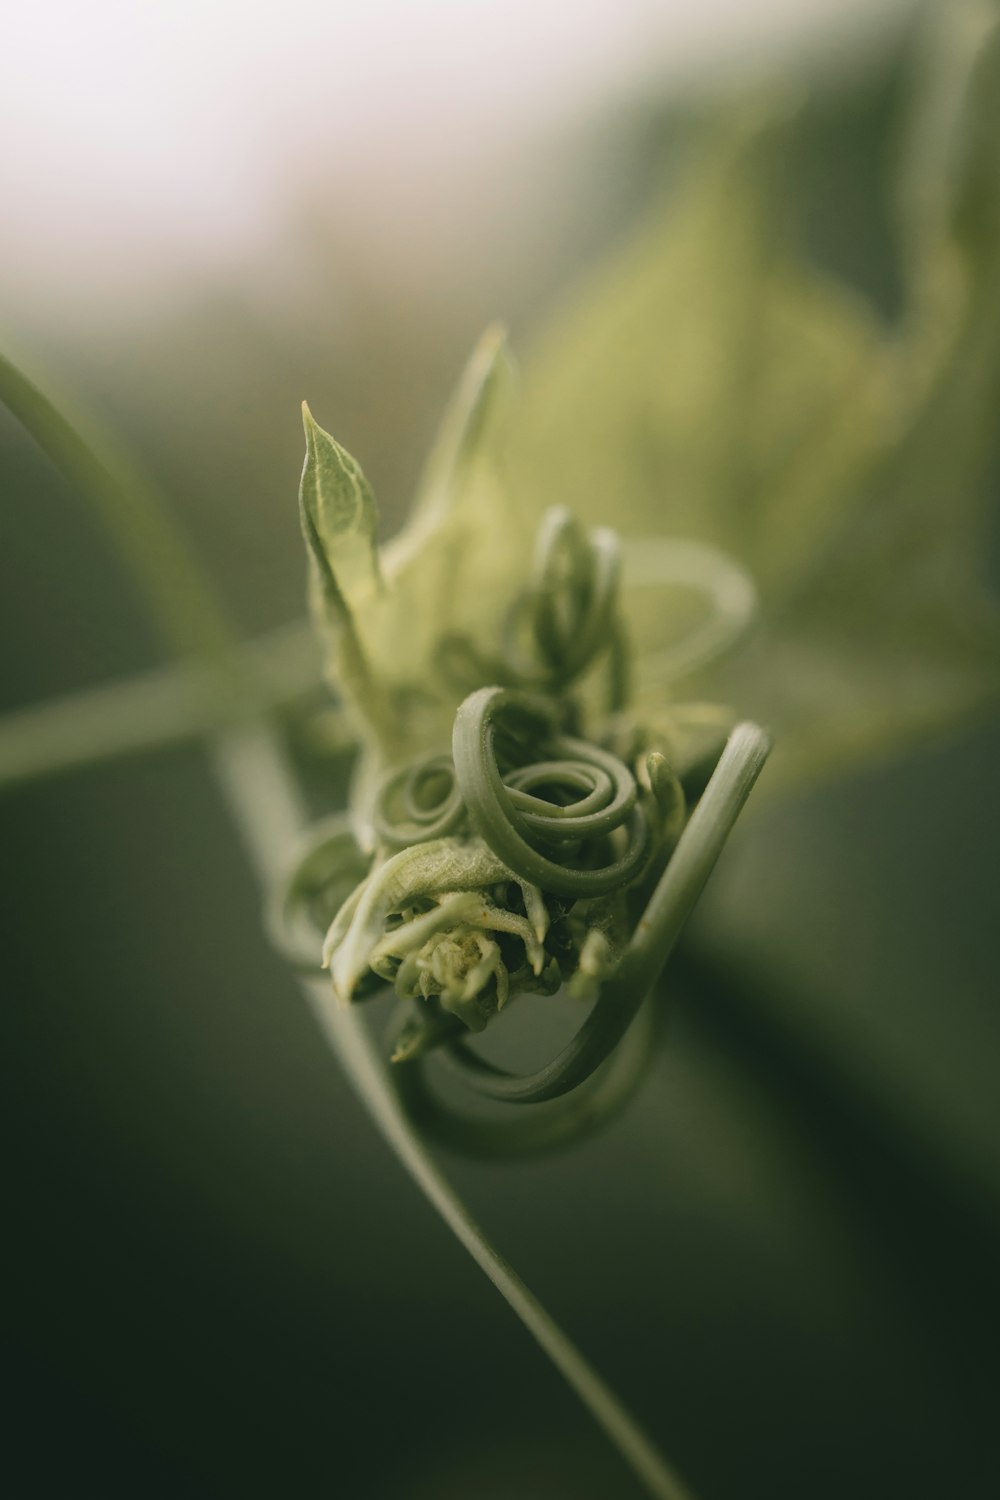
[[421, 871]]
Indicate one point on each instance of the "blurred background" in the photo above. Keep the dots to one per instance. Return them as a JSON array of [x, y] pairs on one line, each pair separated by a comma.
[[783, 1255]]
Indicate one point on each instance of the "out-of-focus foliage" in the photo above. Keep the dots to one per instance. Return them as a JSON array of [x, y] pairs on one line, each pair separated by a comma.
[[709, 383]]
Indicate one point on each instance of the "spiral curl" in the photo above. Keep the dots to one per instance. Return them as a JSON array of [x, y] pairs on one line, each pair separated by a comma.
[[417, 802], [520, 826], [670, 902]]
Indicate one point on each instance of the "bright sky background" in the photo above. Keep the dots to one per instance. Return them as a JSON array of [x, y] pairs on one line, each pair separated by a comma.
[[149, 140]]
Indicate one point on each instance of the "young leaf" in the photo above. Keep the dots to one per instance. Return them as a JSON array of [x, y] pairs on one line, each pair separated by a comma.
[[339, 521], [339, 518]]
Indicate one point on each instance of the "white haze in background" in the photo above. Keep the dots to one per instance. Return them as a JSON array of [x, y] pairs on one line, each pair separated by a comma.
[[149, 144]]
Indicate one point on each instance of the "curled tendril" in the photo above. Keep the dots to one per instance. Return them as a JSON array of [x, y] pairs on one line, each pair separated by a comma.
[[525, 1132], [624, 985], [728, 594], [417, 802], [561, 625], [518, 825], [654, 936], [576, 597], [570, 613]]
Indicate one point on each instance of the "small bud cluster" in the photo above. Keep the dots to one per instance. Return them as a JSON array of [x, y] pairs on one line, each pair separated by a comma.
[[516, 860]]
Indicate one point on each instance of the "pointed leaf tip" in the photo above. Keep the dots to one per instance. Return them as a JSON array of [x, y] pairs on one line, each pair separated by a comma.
[[492, 342], [339, 521]]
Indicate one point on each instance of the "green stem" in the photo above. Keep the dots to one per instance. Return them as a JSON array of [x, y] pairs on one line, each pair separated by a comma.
[[263, 797], [174, 588], [166, 706]]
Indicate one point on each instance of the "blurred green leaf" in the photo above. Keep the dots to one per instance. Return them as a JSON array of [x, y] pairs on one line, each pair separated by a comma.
[[709, 384], [695, 382], [949, 180]]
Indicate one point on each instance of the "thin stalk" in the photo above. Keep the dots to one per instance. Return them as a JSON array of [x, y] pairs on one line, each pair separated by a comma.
[[167, 573], [166, 706]]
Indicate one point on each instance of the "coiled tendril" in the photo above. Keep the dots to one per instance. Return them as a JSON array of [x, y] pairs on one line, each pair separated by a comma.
[[571, 609], [521, 826], [561, 624], [417, 802], [669, 904], [620, 996]]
